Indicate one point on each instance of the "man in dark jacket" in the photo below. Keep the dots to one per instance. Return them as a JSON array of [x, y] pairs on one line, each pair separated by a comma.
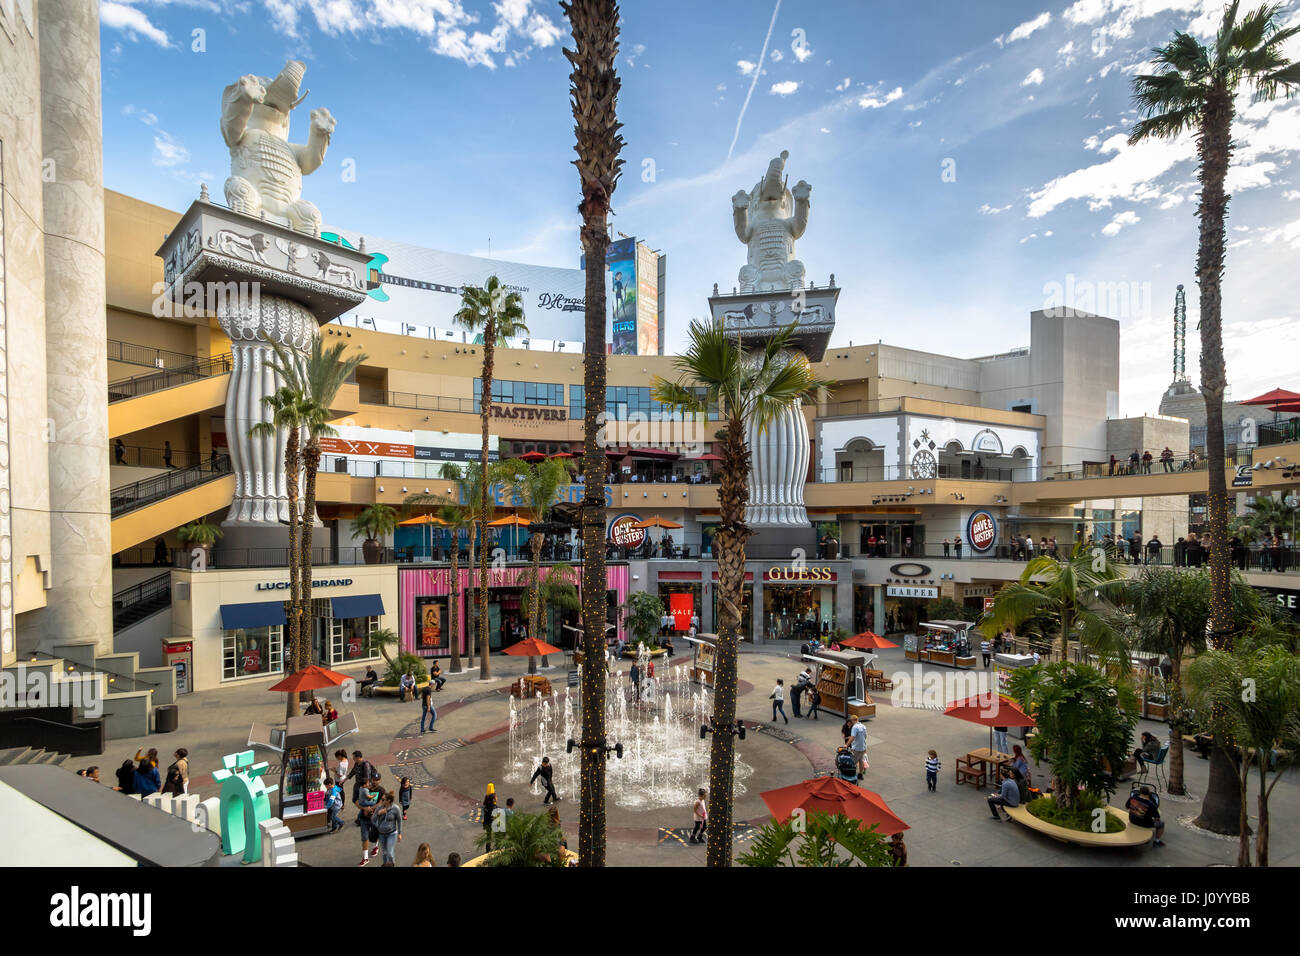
[[362, 769], [546, 771]]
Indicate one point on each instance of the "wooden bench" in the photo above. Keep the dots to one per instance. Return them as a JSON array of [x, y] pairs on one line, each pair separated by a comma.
[[969, 771], [385, 690], [1130, 836]]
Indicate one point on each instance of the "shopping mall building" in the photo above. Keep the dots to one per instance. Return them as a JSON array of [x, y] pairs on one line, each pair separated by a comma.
[[909, 484]]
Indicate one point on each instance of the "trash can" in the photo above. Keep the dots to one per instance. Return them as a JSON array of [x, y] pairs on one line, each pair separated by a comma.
[[166, 718]]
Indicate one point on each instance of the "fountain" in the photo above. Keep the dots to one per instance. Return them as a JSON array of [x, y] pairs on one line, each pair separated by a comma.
[[664, 760]]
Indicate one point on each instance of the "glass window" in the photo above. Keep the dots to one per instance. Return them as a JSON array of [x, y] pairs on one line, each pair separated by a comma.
[[251, 652], [797, 612], [350, 638]]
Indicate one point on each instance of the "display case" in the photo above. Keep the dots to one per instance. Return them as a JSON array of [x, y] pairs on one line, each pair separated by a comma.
[[942, 642], [304, 744], [704, 657], [841, 680]]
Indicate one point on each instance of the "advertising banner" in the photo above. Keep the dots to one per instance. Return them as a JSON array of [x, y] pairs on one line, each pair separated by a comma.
[[647, 301], [682, 608], [621, 263]]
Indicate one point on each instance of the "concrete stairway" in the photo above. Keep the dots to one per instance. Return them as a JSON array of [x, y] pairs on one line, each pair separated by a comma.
[[25, 755]]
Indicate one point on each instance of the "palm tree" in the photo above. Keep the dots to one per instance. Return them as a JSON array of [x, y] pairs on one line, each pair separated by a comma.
[[1271, 515], [1076, 593], [374, 523], [749, 387], [499, 315], [537, 484], [825, 840], [1195, 91], [529, 839], [593, 92], [1253, 696], [558, 588]]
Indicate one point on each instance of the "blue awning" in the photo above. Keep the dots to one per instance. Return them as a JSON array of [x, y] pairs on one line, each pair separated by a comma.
[[257, 614], [357, 605]]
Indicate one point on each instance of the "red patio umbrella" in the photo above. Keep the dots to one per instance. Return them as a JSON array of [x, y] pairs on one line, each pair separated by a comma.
[[833, 795], [532, 456], [708, 457], [989, 710], [867, 641], [1286, 407], [563, 454], [1272, 397], [532, 647], [310, 678]]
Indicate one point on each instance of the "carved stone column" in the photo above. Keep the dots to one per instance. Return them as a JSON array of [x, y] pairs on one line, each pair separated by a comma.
[[778, 471]]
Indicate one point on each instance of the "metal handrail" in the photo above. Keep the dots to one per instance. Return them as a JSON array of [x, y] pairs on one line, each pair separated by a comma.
[[143, 456], [127, 498], [136, 592], [139, 385], [129, 353]]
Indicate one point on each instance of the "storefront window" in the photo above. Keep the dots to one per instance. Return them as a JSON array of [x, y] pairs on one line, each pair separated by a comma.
[[797, 612], [251, 652], [350, 638], [682, 601]]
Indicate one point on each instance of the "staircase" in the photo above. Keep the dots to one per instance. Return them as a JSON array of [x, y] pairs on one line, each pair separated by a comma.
[[141, 600], [26, 755]]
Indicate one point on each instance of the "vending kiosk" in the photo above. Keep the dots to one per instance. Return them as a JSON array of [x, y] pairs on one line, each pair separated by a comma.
[[179, 655], [304, 743]]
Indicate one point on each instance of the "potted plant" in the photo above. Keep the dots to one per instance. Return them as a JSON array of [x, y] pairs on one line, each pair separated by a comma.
[[202, 534], [374, 522], [643, 614]]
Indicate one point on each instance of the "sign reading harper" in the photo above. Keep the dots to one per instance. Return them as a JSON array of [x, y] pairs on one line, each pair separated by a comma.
[[910, 591], [981, 531]]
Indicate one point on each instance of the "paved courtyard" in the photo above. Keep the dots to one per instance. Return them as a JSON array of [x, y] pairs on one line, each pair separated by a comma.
[[450, 769]]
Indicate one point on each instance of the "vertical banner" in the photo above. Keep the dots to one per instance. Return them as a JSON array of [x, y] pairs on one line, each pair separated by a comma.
[[647, 301], [621, 262], [682, 608]]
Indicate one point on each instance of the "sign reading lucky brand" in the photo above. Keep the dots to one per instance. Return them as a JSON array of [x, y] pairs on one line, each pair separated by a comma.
[[284, 585], [981, 531], [623, 532]]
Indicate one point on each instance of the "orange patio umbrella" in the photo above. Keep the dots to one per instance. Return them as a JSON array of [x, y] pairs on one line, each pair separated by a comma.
[[310, 678], [509, 520], [532, 647], [989, 710], [867, 641], [656, 522], [421, 519], [833, 795]]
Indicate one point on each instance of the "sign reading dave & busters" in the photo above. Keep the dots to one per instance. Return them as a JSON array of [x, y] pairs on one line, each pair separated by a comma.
[[624, 533], [981, 531]]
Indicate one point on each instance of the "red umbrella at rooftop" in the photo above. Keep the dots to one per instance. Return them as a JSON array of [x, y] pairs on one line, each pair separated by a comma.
[[1273, 397]]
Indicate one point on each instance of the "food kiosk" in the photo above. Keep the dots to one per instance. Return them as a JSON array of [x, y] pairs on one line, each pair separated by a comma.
[[304, 744], [841, 679], [704, 657], [942, 642]]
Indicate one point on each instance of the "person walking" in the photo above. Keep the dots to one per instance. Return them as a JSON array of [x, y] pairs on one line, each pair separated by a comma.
[[986, 651], [423, 856], [334, 803], [778, 700], [388, 823], [363, 770], [366, 799], [636, 680], [404, 794], [489, 813], [932, 766], [427, 710], [340, 769], [700, 811], [119, 453], [547, 773], [178, 774], [167, 454], [858, 743], [796, 692]]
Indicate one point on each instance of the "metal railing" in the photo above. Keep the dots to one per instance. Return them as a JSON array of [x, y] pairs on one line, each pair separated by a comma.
[[970, 471], [1277, 433], [138, 601], [129, 353], [424, 403], [243, 557], [145, 457], [1244, 558], [128, 498], [157, 381]]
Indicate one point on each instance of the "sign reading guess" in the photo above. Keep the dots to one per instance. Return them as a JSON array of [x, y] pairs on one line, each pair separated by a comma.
[[981, 531], [624, 533], [793, 574]]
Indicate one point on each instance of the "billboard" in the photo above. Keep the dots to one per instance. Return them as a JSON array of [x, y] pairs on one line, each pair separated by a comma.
[[621, 262], [422, 287], [647, 300]]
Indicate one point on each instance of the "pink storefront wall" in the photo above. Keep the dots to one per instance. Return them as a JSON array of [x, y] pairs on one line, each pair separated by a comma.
[[436, 582]]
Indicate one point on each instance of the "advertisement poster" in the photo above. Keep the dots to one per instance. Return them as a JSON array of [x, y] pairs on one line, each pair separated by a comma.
[[621, 261], [432, 614], [704, 656], [681, 607], [647, 301]]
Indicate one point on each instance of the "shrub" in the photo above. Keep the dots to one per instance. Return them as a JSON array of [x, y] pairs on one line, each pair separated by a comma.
[[400, 665], [1078, 817]]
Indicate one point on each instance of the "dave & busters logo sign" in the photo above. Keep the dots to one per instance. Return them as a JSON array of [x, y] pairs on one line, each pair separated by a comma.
[[981, 531], [624, 533]]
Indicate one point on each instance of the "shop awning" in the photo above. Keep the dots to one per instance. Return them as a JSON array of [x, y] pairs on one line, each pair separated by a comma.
[[357, 605], [257, 614]]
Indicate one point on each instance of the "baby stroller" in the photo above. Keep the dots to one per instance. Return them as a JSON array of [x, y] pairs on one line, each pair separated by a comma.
[[846, 766]]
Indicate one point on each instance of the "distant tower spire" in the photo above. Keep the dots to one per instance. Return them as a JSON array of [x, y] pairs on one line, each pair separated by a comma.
[[1180, 336]]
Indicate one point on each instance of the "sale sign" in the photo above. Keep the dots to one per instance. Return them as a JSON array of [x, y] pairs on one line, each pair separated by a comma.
[[682, 608]]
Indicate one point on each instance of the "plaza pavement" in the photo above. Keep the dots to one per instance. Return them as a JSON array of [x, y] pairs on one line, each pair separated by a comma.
[[951, 827]]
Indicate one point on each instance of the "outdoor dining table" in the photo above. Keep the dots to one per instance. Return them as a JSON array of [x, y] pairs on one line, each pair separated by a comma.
[[993, 760]]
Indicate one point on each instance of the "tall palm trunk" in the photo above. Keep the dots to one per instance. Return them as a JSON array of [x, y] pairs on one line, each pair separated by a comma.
[[1221, 812], [1173, 700], [470, 612], [535, 603], [289, 652], [729, 545], [485, 411], [453, 612]]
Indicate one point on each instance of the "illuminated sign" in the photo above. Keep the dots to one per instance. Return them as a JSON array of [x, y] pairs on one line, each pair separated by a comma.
[[798, 575], [981, 531], [623, 532]]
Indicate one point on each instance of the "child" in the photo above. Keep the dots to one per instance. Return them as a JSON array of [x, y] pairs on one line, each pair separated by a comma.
[[814, 701], [334, 803], [932, 766], [404, 794]]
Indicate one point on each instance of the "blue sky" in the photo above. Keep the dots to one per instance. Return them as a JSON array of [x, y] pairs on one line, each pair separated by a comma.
[[967, 160]]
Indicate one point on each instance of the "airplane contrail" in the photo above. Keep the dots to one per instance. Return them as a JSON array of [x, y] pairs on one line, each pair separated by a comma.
[[758, 70]]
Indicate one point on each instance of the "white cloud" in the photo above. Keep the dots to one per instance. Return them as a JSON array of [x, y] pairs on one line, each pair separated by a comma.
[[802, 52], [1066, 54], [134, 22], [1026, 29], [824, 130], [746, 67], [1113, 20], [988, 210], [1092, 142], [1129, 174], [1290, 234], [785, 88], [1035, 78], [168, 152], [776, 56], [1291, 195], [1126, 218], [873, 102], [842, 85]]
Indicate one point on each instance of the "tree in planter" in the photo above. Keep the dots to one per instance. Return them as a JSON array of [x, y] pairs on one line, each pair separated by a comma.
[[1077, 592], [643, 615], [826, 840], [1252, 697], [749, 387], [400, 665], [1085, 721], [537, 485], [499, 315], [375, 522], [1195, 92], [593, 92], [202, 533], [529, 839]]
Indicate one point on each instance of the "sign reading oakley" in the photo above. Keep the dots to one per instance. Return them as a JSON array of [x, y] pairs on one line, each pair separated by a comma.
[[981, 531]]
